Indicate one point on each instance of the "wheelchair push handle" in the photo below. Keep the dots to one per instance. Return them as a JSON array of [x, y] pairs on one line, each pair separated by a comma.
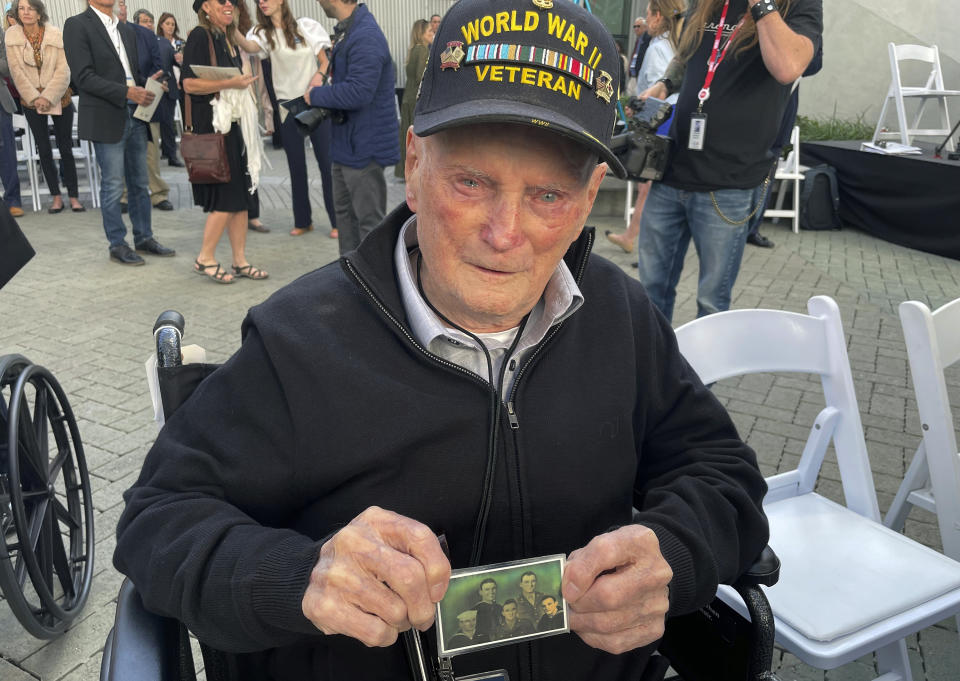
[[168, 331]]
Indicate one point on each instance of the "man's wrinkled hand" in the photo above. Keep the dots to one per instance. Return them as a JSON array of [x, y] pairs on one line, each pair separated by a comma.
[[617, 590], [380, 575]]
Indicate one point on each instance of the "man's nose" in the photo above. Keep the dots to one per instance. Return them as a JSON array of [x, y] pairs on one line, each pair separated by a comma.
[[504, 223]]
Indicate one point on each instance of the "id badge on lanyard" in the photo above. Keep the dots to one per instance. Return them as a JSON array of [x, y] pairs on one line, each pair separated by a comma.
[[698, 120]]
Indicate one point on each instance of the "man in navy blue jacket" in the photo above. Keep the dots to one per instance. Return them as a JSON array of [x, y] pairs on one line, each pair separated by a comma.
[[362, 87], [149, 51]]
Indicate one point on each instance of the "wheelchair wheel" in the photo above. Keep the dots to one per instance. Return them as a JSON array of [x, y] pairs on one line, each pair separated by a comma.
[[46, 512]]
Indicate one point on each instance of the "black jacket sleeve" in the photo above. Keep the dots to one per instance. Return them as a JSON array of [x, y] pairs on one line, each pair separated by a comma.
[[697, 486], [213, 501]]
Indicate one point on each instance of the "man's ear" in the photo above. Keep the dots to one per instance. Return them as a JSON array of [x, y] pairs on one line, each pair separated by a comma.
[[412, 167], [595, 180]]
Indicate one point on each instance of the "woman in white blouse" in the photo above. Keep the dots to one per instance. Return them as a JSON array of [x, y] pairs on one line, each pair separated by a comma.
[[664, 23], [296, 49]]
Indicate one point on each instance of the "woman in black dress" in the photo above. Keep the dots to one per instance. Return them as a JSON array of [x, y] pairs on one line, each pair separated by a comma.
[[225, 204]]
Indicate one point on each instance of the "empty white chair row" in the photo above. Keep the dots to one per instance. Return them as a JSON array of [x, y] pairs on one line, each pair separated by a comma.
[[848, 585]]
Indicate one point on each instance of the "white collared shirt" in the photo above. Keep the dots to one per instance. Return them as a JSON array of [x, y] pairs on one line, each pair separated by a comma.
[[111, 23], [560, 299]]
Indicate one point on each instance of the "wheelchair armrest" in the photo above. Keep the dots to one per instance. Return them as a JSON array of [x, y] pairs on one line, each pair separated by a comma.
[[765, 570], [141, 645]]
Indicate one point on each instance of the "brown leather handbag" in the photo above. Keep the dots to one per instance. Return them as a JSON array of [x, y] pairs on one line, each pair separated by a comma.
[[205, 155]]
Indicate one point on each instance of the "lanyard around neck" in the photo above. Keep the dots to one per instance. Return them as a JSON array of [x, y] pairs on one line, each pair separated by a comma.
[[717, 55]]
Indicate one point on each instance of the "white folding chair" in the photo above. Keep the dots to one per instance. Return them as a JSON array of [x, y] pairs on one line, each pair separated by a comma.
[[932, 89], [848, 585], [933, 480], [27, 155], [85, 157], [789, 172]]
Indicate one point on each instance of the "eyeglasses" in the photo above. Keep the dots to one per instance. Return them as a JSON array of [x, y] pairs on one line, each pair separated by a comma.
[[224, 2], [638, 25]]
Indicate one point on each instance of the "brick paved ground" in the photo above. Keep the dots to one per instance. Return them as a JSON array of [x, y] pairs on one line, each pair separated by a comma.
[[89, 321]]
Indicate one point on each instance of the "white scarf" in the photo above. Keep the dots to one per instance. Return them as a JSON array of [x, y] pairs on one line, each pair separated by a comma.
[[238, 105]]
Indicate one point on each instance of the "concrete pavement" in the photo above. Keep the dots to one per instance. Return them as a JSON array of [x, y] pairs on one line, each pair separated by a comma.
[[89, 321]]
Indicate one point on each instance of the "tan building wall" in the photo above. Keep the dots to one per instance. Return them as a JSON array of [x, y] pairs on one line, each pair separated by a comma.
[[856, 70]]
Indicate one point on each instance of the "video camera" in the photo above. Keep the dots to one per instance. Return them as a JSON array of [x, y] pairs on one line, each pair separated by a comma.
[[307, 117], [642, 151]]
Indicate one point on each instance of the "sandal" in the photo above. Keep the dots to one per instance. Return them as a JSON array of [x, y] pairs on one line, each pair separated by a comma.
[[218, 275], [250, 272], [298, 231], [620, 240], [257, 227]]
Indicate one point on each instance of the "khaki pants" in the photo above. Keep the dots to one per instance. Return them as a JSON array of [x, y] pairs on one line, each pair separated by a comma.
[[159, 189]]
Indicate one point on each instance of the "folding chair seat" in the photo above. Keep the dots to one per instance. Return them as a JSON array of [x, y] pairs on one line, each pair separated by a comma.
[[848, 585], [83, 155], [933, 480], [790, 174], [933, 89]]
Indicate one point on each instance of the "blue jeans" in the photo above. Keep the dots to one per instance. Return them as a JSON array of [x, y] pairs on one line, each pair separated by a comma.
[[670, 218], [126, 159], [8, 159]]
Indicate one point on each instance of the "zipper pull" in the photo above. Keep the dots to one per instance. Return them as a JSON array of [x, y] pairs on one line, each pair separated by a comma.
[[512, 416]]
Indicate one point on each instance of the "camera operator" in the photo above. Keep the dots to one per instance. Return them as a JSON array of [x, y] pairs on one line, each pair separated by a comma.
[[366, 140], [740, 58]]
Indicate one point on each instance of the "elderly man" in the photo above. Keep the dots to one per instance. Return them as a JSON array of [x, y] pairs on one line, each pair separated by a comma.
[[481, 375]]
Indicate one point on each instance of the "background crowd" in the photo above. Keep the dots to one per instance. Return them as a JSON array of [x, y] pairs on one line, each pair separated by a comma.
[[286, 65], [52, 79]]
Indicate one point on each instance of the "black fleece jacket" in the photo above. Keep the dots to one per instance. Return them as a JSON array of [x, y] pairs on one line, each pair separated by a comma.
[[331, 406]]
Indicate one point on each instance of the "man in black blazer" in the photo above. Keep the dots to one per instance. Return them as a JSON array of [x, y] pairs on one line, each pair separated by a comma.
[[103, 58]]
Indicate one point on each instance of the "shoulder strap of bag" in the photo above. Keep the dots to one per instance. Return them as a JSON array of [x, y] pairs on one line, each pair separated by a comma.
[[213, 62]]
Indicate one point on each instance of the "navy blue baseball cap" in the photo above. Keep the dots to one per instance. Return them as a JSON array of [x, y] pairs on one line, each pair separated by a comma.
[[549, 64]]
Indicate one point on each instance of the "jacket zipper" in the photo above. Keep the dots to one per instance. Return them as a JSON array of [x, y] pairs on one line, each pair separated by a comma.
[[511, 411]]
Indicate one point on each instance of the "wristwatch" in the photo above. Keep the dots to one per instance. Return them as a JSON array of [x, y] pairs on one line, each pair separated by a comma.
[[762, 9], [667, 83]]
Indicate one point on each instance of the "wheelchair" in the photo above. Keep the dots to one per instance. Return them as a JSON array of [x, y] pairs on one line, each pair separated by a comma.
[[46, 511], [713, 644]]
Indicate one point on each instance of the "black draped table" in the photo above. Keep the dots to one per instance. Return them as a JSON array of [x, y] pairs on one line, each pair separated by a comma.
[[911, 200]]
